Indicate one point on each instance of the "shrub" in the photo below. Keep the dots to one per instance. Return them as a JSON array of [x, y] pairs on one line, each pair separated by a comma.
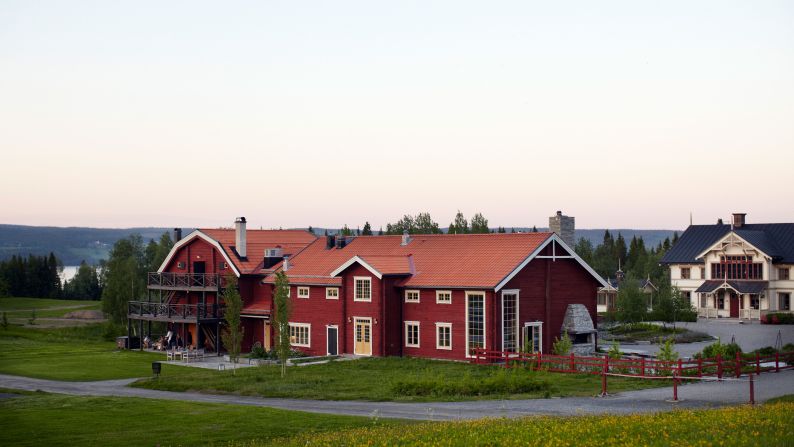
[[111, 330], [512, 381], [718, 348], [614, 351], [667, 352], [258, 352], [562, 346], [788, 347], [778, 318]]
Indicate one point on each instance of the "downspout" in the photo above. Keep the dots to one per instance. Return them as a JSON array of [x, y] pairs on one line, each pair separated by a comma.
[[343, 296]]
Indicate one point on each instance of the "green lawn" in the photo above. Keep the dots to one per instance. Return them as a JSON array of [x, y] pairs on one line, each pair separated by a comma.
[[651, 332], [389, 379], [55, 420], [73, 353], [45, 308], [767, 425]]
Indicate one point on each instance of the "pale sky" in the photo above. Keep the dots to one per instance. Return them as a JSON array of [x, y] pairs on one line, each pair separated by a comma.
[[622, 114]]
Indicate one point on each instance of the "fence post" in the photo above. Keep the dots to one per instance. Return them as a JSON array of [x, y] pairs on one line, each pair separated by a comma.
[[604, 371], [540, 360], [719, 366], [700, 367], [675, 387], [752, 390], [680, 365], [642, 366], [777, 362], [506, 356], [738, 365], [757, 363], [573, 363]]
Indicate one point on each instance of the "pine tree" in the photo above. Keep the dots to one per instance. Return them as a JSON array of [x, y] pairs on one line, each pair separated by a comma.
[[367, 230], [310, 229]]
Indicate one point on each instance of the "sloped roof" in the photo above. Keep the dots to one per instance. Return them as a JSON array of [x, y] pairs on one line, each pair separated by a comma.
[[460, 260], [775, 239], [290, 241], [753, 287]]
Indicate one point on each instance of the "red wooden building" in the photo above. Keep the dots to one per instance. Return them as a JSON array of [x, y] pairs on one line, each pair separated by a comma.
[[434, 296]]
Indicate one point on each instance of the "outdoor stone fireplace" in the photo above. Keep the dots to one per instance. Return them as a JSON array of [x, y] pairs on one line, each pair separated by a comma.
[[579, 327]]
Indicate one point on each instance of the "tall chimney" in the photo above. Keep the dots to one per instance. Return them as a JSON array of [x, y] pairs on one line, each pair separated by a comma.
[[564, 226], [738, 220], [239, 236], [177, 235]]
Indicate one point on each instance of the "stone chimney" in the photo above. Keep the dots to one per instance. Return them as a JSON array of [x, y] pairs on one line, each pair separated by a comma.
[[406, 238], [738, 220], [177, 235], [240, 237], [564, 226]]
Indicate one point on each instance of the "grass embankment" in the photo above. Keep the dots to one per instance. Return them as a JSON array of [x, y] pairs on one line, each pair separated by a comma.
[[21, 308], [388, 379], [767, 425], [54, 420], [69, 353], [653, 333]]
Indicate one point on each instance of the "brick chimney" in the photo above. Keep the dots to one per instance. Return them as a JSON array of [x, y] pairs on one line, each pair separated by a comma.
[[738, 220], [240, 237]]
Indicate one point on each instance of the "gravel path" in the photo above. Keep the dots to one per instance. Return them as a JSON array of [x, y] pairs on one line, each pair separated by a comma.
[[697, 395]]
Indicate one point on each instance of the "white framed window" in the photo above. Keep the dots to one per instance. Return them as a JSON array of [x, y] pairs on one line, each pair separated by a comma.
[[784, 300], [533, 337], [475, 321], [300, 334], [332, 293], [444, 336], [412, 334], [303, 292], [363, 288], [444, 296], [411, 296], [510, 320]]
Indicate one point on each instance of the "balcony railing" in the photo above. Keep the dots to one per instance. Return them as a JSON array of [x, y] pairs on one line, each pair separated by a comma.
[[158, 311], [708, 312], [185, 281], [750, 314]]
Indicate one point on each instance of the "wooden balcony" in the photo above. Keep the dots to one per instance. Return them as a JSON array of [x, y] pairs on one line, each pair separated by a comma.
[[200, 282], [181, 313]]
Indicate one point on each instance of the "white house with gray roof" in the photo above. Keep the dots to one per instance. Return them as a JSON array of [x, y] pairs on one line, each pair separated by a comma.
[[739, 270]]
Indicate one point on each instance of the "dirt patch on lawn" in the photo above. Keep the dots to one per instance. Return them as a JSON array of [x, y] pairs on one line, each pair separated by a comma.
[[85, 315]]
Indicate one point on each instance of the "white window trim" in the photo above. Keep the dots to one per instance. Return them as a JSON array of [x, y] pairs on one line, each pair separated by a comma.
[[309, 327], [418, 296], [446, 325], [308, 292], [518, 327], [418, 334], [355, 292], [538, 324], [484, 320], [439, 292], [329, 297]]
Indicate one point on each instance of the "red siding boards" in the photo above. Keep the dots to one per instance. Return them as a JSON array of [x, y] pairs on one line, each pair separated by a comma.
[[568, 283], [427, 312], [362, 309], [317, 311]]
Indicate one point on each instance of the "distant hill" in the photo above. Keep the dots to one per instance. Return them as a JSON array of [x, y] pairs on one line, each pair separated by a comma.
[[74, 244], [70, 244], [595, 236]]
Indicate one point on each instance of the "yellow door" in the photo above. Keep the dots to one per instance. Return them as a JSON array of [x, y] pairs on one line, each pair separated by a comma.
[[267, 337], [363, 341]]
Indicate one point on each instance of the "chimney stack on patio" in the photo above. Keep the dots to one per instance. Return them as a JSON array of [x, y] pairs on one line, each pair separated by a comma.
[[738, 220], [239, 236]]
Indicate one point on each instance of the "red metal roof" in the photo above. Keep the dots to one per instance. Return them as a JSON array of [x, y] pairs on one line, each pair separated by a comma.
[[461, 260], [255, 309], [257, 241]]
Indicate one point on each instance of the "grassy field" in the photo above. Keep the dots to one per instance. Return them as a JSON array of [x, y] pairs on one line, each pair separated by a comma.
[[653, 333], [388, 379], [55, 420], [767, 425], [73, 353], [45, 308]]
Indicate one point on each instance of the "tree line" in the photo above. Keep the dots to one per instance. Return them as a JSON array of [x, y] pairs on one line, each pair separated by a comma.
[[423, 223], [34, 276]]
